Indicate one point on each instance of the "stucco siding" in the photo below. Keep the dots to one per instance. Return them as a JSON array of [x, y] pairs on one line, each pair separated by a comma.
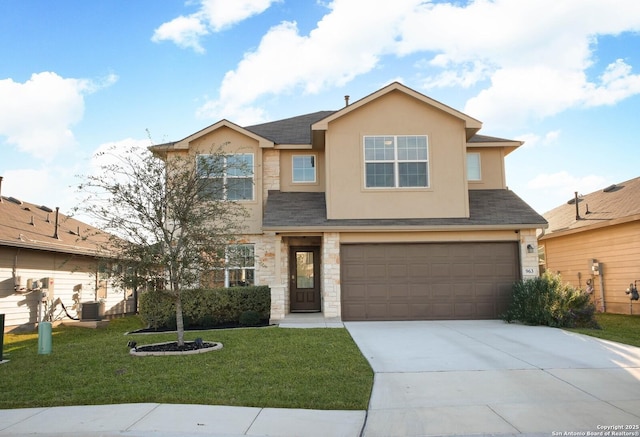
[[229, 141], [396, 114], [617, 248]]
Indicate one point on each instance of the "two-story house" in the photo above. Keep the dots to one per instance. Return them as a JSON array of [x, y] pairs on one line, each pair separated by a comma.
[[391, 208]]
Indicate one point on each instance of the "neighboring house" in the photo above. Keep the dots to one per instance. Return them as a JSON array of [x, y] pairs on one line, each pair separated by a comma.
[[595, 244], [46, 269], [391, 208]]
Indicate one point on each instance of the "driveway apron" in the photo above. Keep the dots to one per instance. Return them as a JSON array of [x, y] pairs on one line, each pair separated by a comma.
[[438, 378]]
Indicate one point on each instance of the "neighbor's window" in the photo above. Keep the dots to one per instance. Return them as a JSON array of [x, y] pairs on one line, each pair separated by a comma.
[[396, 161], [473, 167], [304, 168], [226, 177], [239, 267]]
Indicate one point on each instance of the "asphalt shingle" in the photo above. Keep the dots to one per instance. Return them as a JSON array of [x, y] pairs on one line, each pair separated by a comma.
[[487, 208]]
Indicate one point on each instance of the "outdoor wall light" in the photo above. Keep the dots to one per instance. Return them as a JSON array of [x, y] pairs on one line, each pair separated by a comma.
[[633, 291], [529, 248]]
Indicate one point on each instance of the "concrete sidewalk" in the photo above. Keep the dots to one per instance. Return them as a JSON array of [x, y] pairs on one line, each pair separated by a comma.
[[139, 420]]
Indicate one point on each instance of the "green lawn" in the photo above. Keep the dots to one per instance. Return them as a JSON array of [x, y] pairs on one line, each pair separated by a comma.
[[260, 367], [616, 327]]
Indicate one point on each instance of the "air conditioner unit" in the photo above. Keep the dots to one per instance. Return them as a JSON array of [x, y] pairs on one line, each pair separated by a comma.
[[91, 311]]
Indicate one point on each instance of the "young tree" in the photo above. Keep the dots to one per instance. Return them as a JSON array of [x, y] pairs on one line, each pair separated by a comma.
[[168, 216]]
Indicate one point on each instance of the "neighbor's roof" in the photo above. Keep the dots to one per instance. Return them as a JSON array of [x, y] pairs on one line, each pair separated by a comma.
[[618, 203], [26, 225], [488, 208]]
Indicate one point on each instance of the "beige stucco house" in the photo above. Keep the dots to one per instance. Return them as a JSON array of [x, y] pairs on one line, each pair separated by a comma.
[[50, 268], [391, 208], [594, 244]]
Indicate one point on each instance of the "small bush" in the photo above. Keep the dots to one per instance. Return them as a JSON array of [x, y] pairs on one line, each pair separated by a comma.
[[203, 308], [547, 301], [250, 318]]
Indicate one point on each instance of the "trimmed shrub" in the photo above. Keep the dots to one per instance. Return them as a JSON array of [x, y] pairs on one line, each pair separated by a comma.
[[202, 308], [547, 301]]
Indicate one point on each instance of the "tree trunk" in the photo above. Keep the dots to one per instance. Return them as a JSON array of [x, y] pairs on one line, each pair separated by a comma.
[[179, 320]]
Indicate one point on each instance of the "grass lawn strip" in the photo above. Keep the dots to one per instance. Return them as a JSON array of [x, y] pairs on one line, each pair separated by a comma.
[[261, 367], [616, 327]]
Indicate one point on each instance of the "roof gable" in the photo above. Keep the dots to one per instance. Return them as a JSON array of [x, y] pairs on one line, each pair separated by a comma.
[[471, 124], [183, 144], [615, 204]]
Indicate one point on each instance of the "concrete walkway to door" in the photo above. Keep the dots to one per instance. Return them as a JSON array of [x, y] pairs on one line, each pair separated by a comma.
[[492, 378]]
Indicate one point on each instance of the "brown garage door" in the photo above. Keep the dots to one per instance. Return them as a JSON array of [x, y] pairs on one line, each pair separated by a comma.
[[430, 281]]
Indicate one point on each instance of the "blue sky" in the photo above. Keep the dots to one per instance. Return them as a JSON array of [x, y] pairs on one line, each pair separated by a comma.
[[77, 76]]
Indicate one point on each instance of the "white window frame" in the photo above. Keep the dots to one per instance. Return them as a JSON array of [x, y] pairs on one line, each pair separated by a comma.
[[396, 161], [315, 168], [479, 167], [228, 267], [226, 176]]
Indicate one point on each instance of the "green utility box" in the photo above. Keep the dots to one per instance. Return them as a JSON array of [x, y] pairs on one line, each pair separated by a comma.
[[1, 335], [44, 338]]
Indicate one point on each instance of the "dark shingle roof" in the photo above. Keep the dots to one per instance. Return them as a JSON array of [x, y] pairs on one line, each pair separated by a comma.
[[620, 201], [297, 130], [487, 208], [294, 130]]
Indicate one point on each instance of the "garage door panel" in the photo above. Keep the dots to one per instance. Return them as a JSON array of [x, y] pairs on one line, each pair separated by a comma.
[[353, 272], [442, 311], [376, 271], [440, 269], [397, 271], [427, 281], [377, 291], [464, 310]]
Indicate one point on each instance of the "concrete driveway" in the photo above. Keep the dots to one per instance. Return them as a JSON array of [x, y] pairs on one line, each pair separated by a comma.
[[492, 378]]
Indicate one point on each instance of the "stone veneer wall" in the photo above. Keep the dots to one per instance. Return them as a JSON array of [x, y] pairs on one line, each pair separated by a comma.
[[270, 172], [331, 274], [529, 262]]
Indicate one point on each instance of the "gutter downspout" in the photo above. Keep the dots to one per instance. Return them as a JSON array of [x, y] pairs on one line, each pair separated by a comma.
[[604, 308]]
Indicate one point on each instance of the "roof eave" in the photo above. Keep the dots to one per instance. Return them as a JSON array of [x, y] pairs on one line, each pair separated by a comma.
[[441, 228], [603, 224]]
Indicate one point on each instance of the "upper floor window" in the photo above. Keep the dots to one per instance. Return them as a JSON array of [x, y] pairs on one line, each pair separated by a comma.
[[304, 168], [396, 161], [226, 177], [473, 167]]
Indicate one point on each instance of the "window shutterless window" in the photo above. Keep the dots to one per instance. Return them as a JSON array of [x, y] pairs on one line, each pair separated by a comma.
[[226, 177], [304, 168], [473, 167], [239, 267], [396, 161]]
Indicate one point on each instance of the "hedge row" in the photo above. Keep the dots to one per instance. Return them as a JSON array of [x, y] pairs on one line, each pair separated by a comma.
[[547, 301], [245, 306]]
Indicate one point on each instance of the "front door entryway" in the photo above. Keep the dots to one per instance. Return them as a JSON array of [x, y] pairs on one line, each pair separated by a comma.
[[304, 279]]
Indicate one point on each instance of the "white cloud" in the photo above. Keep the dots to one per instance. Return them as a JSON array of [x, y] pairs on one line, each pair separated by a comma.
[[185, 32], [213, 16], [37, 115], [562, 185], [531, 59], [341, 47]]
